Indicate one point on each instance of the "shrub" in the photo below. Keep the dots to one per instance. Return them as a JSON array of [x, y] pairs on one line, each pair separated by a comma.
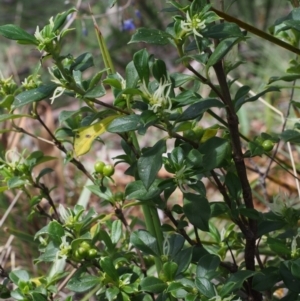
[[189, 257]]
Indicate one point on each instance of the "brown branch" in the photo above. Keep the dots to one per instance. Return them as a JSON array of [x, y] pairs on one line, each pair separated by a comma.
[[238, 158], [169, 214], [257, 32]]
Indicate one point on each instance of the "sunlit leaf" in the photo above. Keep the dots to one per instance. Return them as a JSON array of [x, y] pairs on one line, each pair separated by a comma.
[[85, 136]]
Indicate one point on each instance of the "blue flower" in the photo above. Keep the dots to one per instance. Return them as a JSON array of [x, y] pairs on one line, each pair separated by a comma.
[[128, 25], [138, 14]]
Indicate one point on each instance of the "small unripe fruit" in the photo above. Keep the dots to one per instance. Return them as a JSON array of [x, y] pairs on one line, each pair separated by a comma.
[[267, 145], [119, 196], [92, 254], [108, 170], [189, 134], [86, 245], [77, 256], [99, 165], [82, 251]]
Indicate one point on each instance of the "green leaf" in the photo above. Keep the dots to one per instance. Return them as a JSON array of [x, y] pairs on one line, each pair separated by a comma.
[[186, 98], [83, 283], [291, 24], [293, 15], [140, 60], [169, 270], [60, 19], [56, 232], [159, 70], [103, 236], [111, 293], [116, 231], [15, 182], [7, 101], [13, 32], [33, 95], [4, 117], [77, 75], [241, 101], [238, 279], [148, 118], [112, 3], [19, 275], [233, 184], [286, 78], [250, 213], [206, 265], [36, 158], [145, 242], [4, 292], [179, 79], [83, 62], [124, 124], [151, 36], [131, 76], [291, 282], [136, 190], [174, 287], [205, 287], [50, 253], [215, 151], [101, 191], [197, 109], [94, 92], [227, 289], [65, 115], [109, 268], [292, 136], [266, 279], [38, 296], [175, 244], [221, 50], [222, 31], [43, 172], [153, 285], [150, 163], [197, 210], [177, 157], [295, 268], [183, 259], [267, 226], [278, 246]]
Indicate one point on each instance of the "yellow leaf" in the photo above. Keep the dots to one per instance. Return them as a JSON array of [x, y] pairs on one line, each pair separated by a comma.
[[36, 281], [86, 135], [208, 133]]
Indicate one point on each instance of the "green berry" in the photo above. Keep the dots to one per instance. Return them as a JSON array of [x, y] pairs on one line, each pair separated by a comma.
[[119, 196], [23, 168], [82, 252], [85, 245], [77, 256], [267, 145], [189, 134], [108, 170], [99, 165], [92, 254]]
